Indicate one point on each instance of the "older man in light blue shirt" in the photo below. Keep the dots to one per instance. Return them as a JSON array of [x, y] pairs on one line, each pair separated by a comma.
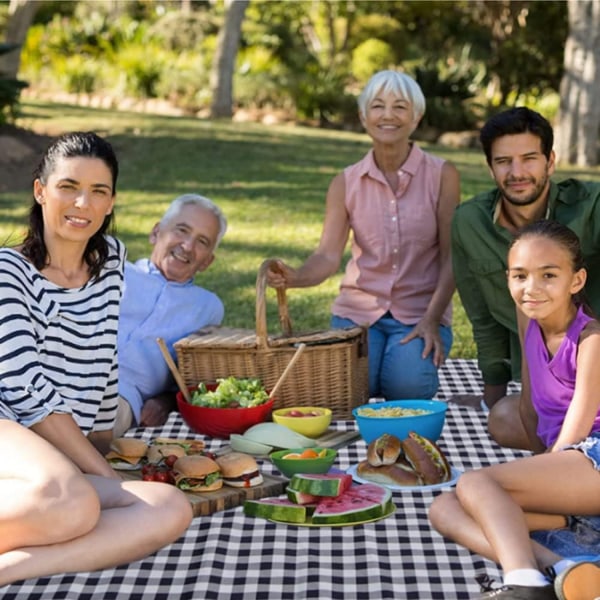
[[160, 299]]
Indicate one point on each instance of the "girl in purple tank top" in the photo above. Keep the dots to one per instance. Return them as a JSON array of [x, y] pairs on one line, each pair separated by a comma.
[[494, 509]]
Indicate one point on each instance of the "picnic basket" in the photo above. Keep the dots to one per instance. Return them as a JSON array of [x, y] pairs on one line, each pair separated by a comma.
[[332, 370]]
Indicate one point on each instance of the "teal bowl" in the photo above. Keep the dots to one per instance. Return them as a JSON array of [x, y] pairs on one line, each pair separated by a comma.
[[429, 424], [293, 466]]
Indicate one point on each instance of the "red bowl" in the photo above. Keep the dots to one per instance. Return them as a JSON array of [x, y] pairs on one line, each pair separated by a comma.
[[222, 422]]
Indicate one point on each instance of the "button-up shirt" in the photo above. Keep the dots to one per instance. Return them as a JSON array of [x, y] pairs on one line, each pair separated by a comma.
[[479, 257], [154, 307]]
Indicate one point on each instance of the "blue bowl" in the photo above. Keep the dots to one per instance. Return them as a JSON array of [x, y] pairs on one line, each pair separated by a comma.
[[429, 424]]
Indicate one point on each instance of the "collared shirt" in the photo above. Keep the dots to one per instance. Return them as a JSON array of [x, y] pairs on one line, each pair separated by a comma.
[[154, 307], [479, 258], [395, 263]]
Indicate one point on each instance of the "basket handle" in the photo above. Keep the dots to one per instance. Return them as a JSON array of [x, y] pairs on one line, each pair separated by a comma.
[[261, 306]]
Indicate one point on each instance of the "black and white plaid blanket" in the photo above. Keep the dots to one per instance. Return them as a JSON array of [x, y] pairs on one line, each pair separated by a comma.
[[227, 555]]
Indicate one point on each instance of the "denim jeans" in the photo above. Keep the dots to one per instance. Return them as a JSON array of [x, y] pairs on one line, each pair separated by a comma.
[[580, 537], [397, 371], [582, 534]]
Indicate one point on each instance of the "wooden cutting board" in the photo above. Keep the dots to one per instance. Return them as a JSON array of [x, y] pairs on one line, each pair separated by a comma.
[[207, 503]]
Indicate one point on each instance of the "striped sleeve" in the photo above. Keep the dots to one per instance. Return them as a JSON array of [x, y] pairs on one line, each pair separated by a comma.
[[58, 346]]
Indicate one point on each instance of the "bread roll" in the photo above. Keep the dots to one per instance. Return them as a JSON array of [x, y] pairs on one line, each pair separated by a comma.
[[385, 450], [395, 474]]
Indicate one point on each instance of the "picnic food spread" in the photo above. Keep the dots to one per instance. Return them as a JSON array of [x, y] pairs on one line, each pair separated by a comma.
[[324, 500], [392, 411], [127, 453], [196, 473], [231, 392], [413, 461], [239, 470]]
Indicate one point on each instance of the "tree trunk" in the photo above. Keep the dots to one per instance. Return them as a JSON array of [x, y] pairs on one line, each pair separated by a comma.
[[579, 116], [221, 77], [21, 13]]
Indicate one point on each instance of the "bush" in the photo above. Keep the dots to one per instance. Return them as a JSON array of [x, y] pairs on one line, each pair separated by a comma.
[[187, 83], [261, 79], [369, 57], [79, 74], [141, 68]]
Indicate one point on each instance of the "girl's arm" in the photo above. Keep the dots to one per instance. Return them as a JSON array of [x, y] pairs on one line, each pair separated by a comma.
[[527, 412], [586, 400], [326, 259]]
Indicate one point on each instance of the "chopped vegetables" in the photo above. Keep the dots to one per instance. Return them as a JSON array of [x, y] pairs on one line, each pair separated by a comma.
[[231, 393]]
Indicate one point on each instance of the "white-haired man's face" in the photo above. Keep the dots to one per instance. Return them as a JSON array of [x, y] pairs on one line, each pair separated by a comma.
[[184, 245]]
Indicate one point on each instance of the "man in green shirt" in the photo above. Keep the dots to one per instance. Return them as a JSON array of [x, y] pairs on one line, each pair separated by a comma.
[[518, 148]]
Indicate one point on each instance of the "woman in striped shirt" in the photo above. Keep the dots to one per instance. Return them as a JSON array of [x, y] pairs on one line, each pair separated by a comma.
[[59, 304]]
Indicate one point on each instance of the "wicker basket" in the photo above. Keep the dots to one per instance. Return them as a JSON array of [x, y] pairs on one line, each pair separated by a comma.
[[332, 371]]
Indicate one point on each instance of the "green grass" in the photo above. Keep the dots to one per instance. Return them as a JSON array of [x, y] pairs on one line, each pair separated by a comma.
[[269, 181]]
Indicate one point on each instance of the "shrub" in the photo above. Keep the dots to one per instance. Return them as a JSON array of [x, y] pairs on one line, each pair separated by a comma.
[[186, 84], [79, 74], [141, 68], [369, 57]]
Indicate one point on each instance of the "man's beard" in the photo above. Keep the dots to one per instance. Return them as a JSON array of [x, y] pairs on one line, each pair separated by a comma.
[[530, 198]]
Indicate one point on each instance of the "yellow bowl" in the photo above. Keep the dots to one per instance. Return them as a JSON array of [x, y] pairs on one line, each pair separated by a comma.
[[311, 421]]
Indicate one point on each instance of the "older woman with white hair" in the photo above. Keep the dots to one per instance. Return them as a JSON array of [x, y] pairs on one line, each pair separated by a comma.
[[398, 201]]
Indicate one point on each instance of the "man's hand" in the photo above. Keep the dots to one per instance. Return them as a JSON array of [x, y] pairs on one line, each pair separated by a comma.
[[155, 411]]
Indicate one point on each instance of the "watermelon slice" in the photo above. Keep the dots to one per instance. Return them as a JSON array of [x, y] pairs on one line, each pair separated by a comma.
[[360, 503], [278, 509], [327, 484], [299, 497]]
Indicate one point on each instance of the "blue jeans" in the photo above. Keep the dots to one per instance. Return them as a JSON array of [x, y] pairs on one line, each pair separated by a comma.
[[397, 371], [580, 537], [582, 534]]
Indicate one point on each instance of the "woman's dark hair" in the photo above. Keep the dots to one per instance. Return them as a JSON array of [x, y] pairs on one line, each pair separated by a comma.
[[567, 239], [71, 145], [513, 122]]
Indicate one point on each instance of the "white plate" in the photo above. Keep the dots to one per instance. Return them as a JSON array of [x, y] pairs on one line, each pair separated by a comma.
[[454, 475], [125, 466]]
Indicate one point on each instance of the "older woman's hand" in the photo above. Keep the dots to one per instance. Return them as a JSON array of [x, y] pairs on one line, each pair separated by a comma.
[[430, 332], [279, 275]]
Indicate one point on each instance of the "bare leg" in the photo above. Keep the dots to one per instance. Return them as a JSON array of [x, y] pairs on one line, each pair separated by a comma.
[[44, 498], [51, 515], [489, 511], [137, 518], [449, 518]]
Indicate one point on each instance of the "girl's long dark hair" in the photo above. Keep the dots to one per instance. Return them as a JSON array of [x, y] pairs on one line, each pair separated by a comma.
[[71, 145], [567, 239]]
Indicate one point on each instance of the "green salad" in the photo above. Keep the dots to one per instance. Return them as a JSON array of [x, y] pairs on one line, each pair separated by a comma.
[[231, 393]]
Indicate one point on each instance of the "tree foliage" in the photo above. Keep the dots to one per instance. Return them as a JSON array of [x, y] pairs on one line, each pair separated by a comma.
[[308, 57]]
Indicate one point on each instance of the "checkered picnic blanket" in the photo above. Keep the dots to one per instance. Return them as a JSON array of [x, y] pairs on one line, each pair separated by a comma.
[[229, 556]]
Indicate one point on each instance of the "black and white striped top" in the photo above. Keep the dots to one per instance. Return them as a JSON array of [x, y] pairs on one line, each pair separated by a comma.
[[58, 346]]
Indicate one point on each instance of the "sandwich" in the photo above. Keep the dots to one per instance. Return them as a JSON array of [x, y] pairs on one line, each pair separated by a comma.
[[157, 453], [384, 450], [239, 470], [426, 458], [197, 473], [127, 454], [398, 474], [190, 446]]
